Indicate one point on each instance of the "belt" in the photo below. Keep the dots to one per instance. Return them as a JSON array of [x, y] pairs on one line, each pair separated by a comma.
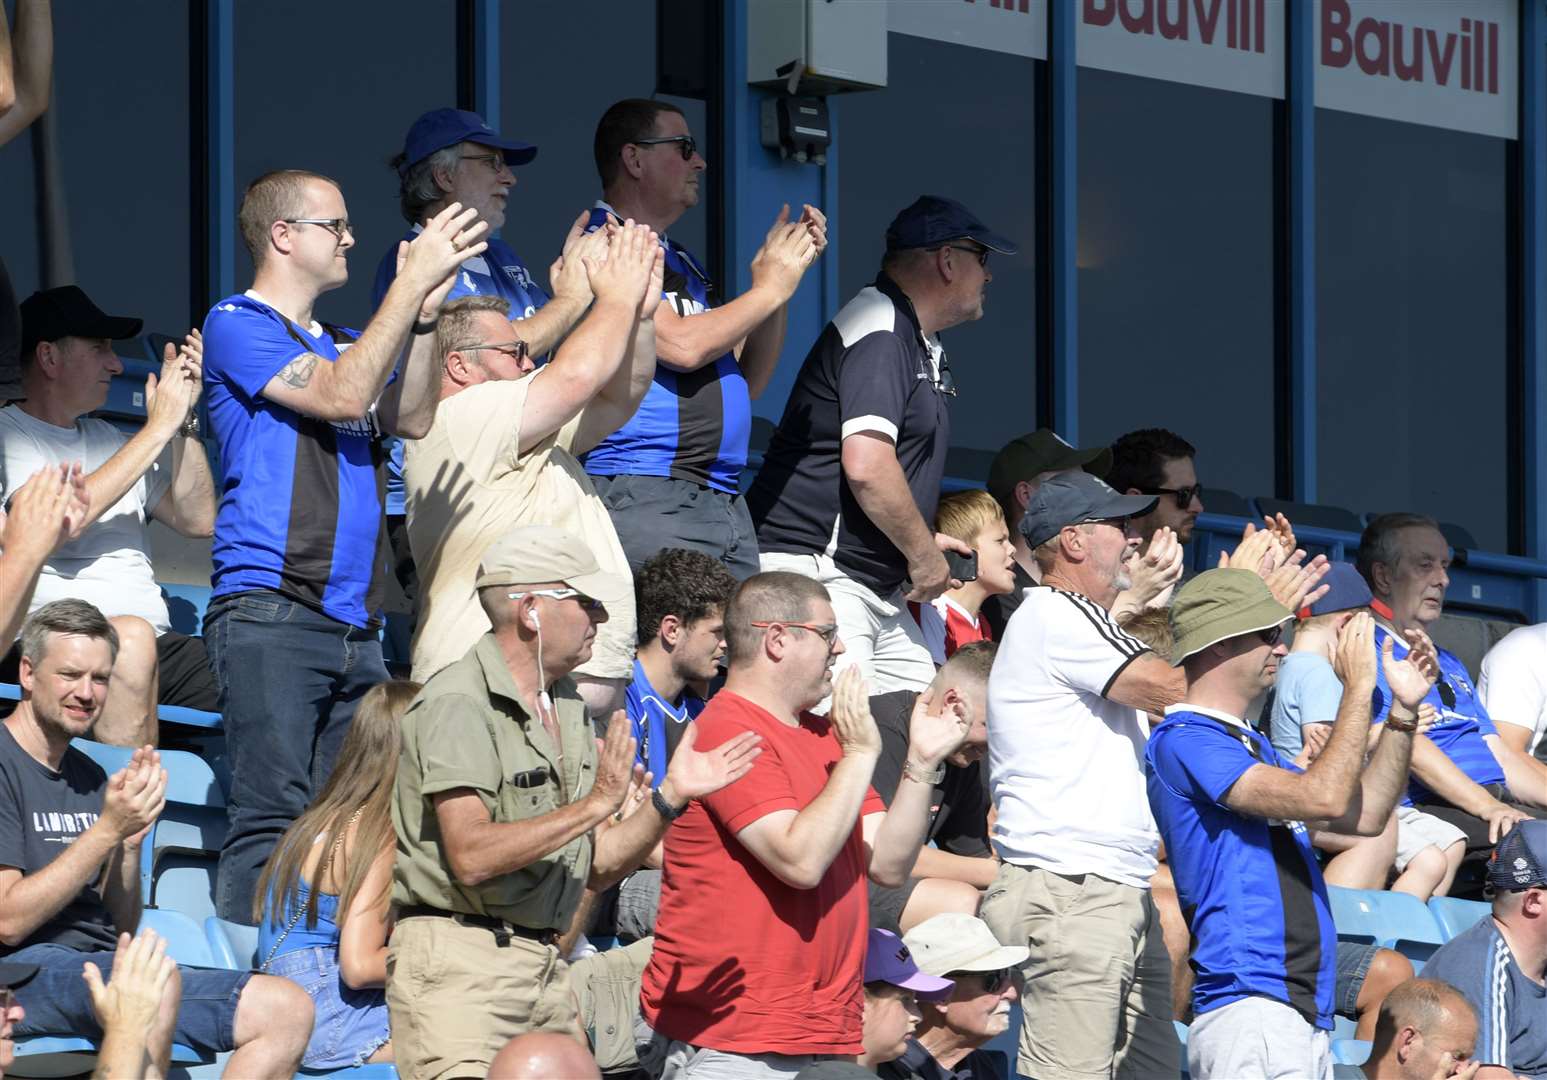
[[502, 930]]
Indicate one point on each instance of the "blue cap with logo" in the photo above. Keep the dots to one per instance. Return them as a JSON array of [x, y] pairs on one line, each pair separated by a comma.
[[1519, 861], [1346, 591], [440, 128], [933, 221]]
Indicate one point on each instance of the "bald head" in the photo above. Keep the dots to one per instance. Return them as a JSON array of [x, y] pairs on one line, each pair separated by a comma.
[[1419, 1022], [543, 1055]]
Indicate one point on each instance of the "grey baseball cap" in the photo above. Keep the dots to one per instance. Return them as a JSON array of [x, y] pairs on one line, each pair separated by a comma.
[[1073, 498]]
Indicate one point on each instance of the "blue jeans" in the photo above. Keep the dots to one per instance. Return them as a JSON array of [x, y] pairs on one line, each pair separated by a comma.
[[58, 1002], [351, 1024], [290, 679]]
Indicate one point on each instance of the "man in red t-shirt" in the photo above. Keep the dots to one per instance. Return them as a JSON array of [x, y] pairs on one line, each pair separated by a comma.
[[760, 941]]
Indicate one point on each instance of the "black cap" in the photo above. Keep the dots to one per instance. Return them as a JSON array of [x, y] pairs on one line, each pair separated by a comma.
[[933, 220], [13, 975], [1073, 498], [67, 312]]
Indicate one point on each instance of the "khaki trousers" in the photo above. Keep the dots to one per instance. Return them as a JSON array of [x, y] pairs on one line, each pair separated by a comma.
[[455, 997], [1097, 998]]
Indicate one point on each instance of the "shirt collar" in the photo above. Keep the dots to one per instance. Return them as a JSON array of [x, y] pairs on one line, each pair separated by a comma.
[[1215, 714], [496, 674], [893, 291], [315, 329]]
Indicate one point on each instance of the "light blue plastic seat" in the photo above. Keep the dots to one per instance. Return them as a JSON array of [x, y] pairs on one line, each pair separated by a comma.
[[1392, 920], [233, 945], [1455, 915], [1350, 1052]]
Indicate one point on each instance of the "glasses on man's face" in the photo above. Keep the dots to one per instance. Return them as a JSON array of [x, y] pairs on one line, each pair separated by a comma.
[[338, 226], [1272, 635], [686, 144], [495, 162], [515, 350], [994, 982], [1183, 495], [589, 604], [980, 252], [826, 631]]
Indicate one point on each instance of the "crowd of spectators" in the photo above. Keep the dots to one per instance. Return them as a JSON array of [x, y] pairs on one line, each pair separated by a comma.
[[851, 771]]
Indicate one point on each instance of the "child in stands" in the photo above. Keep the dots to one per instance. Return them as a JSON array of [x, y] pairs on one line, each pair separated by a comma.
[[953, 619], [322, 902]]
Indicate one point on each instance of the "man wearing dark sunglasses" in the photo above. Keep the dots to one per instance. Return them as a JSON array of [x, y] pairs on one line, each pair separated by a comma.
[[672, 474], [1157, 462], [1237, 820], [1462, 772]]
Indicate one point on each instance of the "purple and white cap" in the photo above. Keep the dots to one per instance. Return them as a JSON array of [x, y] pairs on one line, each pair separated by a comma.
[[888, 960]]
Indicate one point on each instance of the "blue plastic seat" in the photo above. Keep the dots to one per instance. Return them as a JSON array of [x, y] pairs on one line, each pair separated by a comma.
[[1350, 1051], [1455, 915], [233, 945], [186, 941], [1392, 920]]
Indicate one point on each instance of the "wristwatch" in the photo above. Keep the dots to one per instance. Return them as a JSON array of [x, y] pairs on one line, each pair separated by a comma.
[[664, 808], [190, 428], [915, 772]]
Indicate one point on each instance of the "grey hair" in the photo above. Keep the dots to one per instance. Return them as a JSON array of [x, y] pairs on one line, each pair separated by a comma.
[[1378, 543], [418, 191], [65, 617]]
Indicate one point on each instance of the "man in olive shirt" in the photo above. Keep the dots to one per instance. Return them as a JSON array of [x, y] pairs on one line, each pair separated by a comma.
[[505, 811]]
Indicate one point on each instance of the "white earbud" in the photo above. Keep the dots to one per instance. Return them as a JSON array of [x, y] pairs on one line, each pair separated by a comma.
[[536, 622]]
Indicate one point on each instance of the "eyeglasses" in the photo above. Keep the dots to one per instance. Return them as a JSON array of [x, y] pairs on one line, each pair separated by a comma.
[[1184, 495], [516, 350], [1272, 635], [687, 146], [826, 631], [1447, 694], [496, 162], [981, 252], [589, 604], [994, 982], [940, 376], [338, 226]]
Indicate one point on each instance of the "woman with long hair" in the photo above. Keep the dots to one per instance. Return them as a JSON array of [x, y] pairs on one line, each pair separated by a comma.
[[323, 901]]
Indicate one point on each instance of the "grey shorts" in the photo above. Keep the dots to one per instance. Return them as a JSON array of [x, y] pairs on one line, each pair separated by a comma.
[[1417, 830], [886, 905], [1260, 1038]]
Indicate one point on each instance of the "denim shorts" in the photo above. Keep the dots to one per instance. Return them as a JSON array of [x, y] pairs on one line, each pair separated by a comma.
[[351, 1024], [1353, 965], [58, 1002]]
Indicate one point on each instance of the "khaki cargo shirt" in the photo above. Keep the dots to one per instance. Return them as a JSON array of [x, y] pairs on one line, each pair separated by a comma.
[[468, 729]]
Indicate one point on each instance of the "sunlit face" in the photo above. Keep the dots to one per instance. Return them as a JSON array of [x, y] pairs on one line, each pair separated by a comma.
[[978, 1009], [1420, 577], [975, 697], [567, 625], [1256, 660], [1178, 474], [809, 658], [320, 251], [68, 684], [83, 369], [1111, 542], [996, 558], [700, 647], [665, 176], [501, 357], [891, 1017], [482, 180]]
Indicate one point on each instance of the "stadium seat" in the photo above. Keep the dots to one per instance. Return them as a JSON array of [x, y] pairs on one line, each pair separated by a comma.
[[1350, 1052], [1347, 1072], [1391, 920], [186, 942], [233, 945], [1332, 518], [1218, 500], [1455, 915]]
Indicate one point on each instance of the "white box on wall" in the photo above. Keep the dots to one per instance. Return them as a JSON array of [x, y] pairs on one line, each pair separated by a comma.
[[836, 45]]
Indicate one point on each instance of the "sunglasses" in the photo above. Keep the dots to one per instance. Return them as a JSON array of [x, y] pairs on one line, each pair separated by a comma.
[[686, 144], [588, 604], [1272, 635], [980, 252], [1183, 496], [994, 982], [1447, 694]]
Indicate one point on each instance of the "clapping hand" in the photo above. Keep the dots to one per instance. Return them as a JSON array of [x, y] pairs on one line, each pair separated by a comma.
[[787, 251], [616, 770], [135, 797], [169, 400], [694, 773], [131, 999], [46, 511], [933, 737], [853, 726], [1353, 660], [1155, 573], [816, 226], [430, 261], [1295, 583], [1412, 677], [624, 277]]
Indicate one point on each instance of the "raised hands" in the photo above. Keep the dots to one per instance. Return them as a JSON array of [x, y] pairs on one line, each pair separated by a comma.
[[169, 400], [1295, 583], [616, 771], [131, 1000], [135, 797], [853, 726], [46, 511], [1353, 660], [694, 773], [933, 737], [568, 273], [431, 259], [1412, 677], [789, 248], [624, 277], [1155, 573]]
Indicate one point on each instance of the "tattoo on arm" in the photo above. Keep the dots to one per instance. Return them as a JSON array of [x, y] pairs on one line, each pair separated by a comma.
[[298, 373]]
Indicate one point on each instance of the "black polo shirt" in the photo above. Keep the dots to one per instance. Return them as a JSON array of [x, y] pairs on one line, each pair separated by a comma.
[[872, 370]]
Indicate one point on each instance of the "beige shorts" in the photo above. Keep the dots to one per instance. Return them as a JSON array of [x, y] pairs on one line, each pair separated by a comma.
[[455, 997], [1417, 830], [1097, 998]]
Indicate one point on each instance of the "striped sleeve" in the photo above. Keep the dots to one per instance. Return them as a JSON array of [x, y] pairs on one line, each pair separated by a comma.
[[1088, 650], [1493, 1026]]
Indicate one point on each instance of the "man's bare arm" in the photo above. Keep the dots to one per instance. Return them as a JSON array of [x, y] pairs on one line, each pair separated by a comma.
[[479, 848], [31, 67], [1148, 683]]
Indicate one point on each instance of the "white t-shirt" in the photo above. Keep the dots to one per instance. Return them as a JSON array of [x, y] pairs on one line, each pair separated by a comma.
[[109, 564], [1066, 765], [1513, 683]]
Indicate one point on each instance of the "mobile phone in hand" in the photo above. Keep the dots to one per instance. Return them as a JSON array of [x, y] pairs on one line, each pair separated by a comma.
[[964, 568]]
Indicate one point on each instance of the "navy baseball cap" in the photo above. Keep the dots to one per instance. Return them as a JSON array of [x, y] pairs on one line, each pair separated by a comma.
[[1073, 498], [1519, 861], [440, 128], [933, 220], [1346, 591]]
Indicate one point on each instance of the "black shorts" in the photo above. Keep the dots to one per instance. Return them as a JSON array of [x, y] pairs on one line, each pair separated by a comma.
[[886, 905], [186, 678]]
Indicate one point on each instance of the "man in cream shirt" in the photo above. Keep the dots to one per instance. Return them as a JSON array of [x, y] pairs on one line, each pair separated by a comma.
[[502, 450]]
